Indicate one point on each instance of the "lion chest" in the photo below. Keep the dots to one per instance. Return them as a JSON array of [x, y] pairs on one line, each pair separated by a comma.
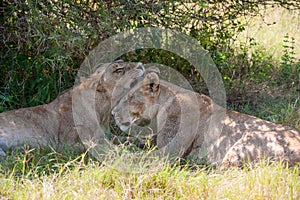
[[169, 124]]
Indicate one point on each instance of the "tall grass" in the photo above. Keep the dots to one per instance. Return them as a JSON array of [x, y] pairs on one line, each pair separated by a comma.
[[129, 175]]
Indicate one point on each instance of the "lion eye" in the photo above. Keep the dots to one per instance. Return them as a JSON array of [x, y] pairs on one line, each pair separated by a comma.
[[119, 70]]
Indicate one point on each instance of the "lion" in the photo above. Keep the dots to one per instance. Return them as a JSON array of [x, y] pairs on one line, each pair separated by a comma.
[[54, 123], [184, 125]]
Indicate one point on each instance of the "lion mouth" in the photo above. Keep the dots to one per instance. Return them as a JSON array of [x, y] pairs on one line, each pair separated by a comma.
[[125, 126], [144, 122]]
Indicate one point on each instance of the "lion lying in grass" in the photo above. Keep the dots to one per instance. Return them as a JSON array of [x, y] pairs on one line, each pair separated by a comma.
[[53, 123], [183, 121]]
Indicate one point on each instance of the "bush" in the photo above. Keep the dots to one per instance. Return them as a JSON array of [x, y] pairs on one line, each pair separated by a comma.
[[44, 42]]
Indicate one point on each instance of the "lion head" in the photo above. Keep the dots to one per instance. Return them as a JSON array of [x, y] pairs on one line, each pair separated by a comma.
[[113, 79], [177, 114], [139, 106], [93, 97]]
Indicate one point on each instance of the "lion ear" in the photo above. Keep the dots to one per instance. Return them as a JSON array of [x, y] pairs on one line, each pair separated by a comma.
[[151, 84]]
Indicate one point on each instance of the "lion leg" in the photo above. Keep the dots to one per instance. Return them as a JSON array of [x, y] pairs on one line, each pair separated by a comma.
[[15, 137]]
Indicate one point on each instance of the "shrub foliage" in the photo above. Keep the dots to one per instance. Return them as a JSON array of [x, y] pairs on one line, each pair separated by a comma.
[[44, 42]]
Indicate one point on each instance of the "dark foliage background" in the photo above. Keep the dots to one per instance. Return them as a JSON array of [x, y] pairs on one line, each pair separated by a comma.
[[44, 42]]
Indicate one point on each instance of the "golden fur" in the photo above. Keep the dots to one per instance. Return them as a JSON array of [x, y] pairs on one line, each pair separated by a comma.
[[241, 137]]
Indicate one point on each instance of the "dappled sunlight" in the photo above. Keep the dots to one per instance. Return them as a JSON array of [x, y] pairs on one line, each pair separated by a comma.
[[248, 138]]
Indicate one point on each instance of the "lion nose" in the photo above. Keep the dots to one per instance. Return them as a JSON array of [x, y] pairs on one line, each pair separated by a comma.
[[126, 124]]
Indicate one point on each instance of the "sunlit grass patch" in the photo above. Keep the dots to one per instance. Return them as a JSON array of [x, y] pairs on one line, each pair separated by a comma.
[[270, 30], [140, 176]]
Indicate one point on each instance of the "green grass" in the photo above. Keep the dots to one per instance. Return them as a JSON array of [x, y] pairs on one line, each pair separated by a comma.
[[139, 176], [270, 31]]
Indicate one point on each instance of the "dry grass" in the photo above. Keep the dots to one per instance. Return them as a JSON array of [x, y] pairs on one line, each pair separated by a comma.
[[128, 176]]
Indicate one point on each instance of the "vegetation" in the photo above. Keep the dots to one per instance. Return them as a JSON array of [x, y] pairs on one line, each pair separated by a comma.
[[43, 43], [124, 175]]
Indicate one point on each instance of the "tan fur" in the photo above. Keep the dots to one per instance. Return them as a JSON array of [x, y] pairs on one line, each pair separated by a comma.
[[52, 124], [242, 137]]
